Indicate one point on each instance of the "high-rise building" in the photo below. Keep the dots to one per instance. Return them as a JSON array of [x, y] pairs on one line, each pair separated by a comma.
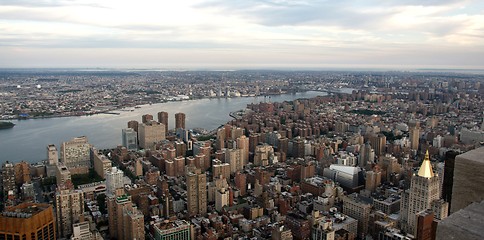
[[75, 154], [163, 118], [221, 169], [357, 208], [52, 160], [8, 181], [173, 230], [63, 177], [234, 158], [243, 143], [150, 133], [196, 192], [22, 173], [221, 199], [468, 179], [378, 143], [28, 221], [180, 120], [414, 137], [101, 163], [323, 230], [130, 139], [424, 190], [263, 155], [133, 124], [114, 181], [69, 205], [126, 222], [146, 118]]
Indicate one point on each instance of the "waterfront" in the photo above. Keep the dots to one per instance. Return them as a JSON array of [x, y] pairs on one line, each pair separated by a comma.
[[29, 138]]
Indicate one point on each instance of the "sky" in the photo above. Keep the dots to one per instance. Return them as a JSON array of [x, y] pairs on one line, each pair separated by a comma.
[[243, 34]]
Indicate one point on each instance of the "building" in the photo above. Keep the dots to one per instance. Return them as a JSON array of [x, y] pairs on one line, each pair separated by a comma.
[[28, 221], [63, 177], [414, 134], [8, 181], [22, 173], [101, 163], [126, 222], [234, 158], [357, 208], [378, 143], [243, 144], [163, 118], [52, 160], [348, 177], [180, 120], [81, 231], [323, 230], [221, 199], [114, 180], [221, 169], [133, 125], [146, 118], [130, 139], [424, 190], [468, 186], [264, 155], [75, 154], [150, 133], [465, 223], [173, 230], [196, 192], [69, 205]]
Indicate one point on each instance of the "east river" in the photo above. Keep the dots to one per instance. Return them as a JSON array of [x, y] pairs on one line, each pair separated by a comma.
[[29, 138]]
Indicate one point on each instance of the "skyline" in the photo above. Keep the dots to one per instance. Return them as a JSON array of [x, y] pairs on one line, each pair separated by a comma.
[[240, 35]]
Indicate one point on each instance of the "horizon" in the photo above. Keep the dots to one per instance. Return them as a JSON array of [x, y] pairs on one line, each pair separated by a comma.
[[215, 34]]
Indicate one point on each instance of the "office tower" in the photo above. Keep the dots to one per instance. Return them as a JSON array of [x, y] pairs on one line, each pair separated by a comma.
[[243, 143], [150, 133], [378, 143], [8, 181], [114, 181], [414, 133], [221, 199], [69, 205], [264, 154], [133, 125], [130, 139], [196, 192], [468, 179], [163, 118], [234, 158], [22, 173], [75, 154], [52, 160], [28, 221], [146, 118], [424, 190], [126, 222], [180, 120], [357, 208], [63, 177], [173, 230]]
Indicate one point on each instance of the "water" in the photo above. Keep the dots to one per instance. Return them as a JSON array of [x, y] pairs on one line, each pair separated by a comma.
[[29, 138]]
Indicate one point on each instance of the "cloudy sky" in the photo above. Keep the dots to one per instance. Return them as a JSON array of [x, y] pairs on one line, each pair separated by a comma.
[[226, 34]]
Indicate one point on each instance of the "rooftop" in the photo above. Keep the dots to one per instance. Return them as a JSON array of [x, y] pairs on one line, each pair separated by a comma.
[[473, 155]]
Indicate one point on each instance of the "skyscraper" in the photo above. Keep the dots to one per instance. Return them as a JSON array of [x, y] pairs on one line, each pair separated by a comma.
[[424, 190], [28, 221], [8, 181], [243, 143], [130, 139], [52, 160], [114, 180], [180, 120], [163, 118], [196, 192]]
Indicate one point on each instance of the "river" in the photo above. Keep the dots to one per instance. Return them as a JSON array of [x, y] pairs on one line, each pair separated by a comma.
[[29, 138]]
